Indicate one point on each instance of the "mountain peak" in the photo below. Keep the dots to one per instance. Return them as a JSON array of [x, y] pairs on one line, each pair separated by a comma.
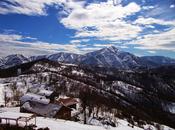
[[110, 49], [12, 60]]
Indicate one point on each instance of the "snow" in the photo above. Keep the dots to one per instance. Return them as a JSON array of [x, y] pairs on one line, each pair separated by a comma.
[[44, 92], [14, 115], [68, 64], [34, 97], [10, 109], [169, 107], [12, 60], [78, 73], [172, 108], [58, 124], [20, 84]]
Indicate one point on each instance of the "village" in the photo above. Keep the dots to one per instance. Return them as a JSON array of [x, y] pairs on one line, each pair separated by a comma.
[[26, 97]]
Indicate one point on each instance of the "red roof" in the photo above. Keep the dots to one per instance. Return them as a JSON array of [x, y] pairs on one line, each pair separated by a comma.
[[67, 101]]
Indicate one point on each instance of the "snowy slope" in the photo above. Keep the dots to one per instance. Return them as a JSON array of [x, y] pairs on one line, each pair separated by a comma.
[[112, 57]]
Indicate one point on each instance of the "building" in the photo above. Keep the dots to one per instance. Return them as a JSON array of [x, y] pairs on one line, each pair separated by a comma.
[[42, 106], [34, 98], [47, 110], [68, 102]]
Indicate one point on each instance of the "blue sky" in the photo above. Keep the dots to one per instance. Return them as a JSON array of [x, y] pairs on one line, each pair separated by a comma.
[[37, 27]]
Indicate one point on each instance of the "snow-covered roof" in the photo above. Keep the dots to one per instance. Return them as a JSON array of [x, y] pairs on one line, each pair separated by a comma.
[[44, 92], [34, 97], [47, 110]]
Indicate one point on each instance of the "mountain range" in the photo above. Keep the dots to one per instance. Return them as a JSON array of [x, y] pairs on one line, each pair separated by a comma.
[[109, 57], [108, 77]]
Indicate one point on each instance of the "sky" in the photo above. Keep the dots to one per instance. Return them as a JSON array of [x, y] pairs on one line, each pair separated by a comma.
[[38, 27]]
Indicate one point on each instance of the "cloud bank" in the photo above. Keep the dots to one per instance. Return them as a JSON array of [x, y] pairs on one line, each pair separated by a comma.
[[131, 24]]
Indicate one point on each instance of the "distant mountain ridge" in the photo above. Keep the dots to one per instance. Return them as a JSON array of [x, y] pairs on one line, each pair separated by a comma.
[[12, 60], [109, 57]]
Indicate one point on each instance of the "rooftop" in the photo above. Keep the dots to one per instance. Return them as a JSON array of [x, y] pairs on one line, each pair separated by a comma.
[[47, 110], [34, 97], [44, 92]]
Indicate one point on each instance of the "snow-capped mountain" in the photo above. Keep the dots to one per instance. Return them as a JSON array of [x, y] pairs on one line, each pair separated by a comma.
[[13, 60], [65, 57], [112, 57], [104, 57], [109, 57]]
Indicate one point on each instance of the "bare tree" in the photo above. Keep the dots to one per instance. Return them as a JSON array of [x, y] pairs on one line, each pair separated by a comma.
[[5, 96]]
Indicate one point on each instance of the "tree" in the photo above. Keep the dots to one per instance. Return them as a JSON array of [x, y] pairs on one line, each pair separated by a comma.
[[84, 94]]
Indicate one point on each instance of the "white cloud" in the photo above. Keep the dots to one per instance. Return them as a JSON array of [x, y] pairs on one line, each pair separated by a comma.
[[12, 44], [90, 49], [172, 6], [12, 37], [148, 21], [79, 40], [118, 30], [103, 45], [13, 48], [34, 7], [147, 7], [103, 20], [160, 41], [30, 7]]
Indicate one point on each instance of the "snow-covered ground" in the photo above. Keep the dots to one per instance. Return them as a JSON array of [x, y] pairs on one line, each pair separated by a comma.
[[58, 124], [69, 125]]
